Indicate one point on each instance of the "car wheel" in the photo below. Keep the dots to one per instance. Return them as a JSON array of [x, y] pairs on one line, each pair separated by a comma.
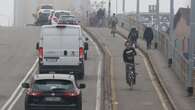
[[82, 72], [79, 105]]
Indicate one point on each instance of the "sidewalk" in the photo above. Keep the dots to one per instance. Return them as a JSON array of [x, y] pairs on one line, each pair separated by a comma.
[[174, 87]]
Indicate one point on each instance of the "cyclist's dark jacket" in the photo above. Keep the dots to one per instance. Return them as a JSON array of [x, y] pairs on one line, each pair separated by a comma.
[[128, 55]]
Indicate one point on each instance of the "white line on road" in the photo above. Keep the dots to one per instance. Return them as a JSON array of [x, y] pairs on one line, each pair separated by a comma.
[[98, 86], [17, 90]]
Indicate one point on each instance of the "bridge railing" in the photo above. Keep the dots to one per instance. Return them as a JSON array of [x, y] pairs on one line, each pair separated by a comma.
[[180, 63]]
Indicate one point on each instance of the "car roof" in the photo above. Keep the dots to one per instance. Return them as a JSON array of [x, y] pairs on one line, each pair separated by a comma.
[[52, 26], [54, 77]]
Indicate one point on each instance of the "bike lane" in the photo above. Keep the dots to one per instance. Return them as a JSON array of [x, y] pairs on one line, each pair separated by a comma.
[[144, 95]]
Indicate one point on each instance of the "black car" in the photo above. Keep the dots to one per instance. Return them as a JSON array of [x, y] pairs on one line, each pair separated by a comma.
[[53, 92]]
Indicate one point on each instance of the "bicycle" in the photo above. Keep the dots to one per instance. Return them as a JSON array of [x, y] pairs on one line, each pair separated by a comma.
[[130, 75]]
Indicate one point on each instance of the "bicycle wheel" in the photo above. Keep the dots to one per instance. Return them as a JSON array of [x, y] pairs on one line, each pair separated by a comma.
[[130, 81]]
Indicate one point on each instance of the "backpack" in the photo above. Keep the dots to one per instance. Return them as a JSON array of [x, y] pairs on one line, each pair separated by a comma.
[[86, 47]]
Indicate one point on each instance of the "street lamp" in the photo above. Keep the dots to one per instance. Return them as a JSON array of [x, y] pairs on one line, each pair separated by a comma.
[[109, 8], [137, 14], [116, 6], [157, 23], [123, 6], [189, 84]]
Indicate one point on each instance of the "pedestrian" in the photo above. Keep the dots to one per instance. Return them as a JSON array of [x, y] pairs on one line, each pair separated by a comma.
[[86, 48], [148, 37], [114, 21], [133, 36]]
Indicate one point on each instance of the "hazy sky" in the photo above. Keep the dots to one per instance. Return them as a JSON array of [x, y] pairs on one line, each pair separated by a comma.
[[131, 4], [6, 7]]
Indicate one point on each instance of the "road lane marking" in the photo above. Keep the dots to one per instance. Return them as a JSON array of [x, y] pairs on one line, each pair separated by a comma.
[[113, 83], [16, 99], [153, 79], [98, 86], [15, 93]]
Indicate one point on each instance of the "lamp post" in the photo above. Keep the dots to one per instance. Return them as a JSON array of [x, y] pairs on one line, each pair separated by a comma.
[[137, 14], [171, 34], [116, 6], [189, 84], [109, 8], [157, 24], [123, 6]]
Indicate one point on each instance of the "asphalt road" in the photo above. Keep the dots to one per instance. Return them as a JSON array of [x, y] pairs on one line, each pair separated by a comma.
[[17, 46], [89, 93], [144, 95]]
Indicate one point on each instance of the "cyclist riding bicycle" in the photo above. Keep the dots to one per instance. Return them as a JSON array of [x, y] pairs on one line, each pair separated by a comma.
[[129, 58], [114, 22]]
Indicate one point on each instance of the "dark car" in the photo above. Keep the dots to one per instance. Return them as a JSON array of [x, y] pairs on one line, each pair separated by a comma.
[[43, 19], [68, 19], [53, 92]]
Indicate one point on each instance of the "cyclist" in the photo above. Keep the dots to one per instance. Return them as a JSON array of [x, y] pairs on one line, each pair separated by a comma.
[[86, 48], [114, 22], [133, 36], [129, 57]]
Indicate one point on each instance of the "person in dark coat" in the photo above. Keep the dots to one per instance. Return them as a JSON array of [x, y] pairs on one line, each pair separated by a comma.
[[133, 36], [148, 37]]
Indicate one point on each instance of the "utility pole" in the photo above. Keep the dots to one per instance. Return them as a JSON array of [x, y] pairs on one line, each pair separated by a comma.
[[109, 8], [171, 34], [137, 15], [157, 24], [123, 6], [189, 84], [116, 6]]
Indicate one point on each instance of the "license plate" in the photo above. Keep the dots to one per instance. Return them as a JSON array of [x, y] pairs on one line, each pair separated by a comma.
[[51, 60], [53, 99]]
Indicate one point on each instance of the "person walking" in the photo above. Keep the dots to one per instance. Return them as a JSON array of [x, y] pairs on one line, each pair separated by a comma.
[[148, 37], [114, 21], [133, 36]]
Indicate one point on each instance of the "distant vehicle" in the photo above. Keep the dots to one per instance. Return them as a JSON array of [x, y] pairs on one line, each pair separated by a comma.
[[43, 19], [61, 50], [48, 6], [53, 92], [56, 15], [42, 14], [68, 19]]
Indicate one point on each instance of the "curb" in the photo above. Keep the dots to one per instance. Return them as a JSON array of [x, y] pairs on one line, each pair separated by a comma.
[[106, 91]]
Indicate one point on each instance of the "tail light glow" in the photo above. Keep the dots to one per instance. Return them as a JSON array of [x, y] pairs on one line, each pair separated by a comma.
[[34, 93], [41, 52], [55, 19], [72, 93], [81, 52]]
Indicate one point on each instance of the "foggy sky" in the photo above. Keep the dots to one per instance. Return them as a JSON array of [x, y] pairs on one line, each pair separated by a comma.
[[6, 7]]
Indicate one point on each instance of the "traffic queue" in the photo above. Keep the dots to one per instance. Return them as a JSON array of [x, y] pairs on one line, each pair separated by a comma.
[[62, 51]]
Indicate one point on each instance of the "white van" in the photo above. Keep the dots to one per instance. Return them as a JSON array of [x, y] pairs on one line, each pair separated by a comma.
[[61, 50]]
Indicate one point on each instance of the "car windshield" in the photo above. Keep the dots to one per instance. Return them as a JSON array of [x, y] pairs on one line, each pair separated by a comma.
[[58, 14], [52, 85], [46, 7]]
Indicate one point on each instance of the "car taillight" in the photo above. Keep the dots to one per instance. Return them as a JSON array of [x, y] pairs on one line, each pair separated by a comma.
[[81, 52], [34, 93], [41, 52], [55, 19], [72, 93]]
